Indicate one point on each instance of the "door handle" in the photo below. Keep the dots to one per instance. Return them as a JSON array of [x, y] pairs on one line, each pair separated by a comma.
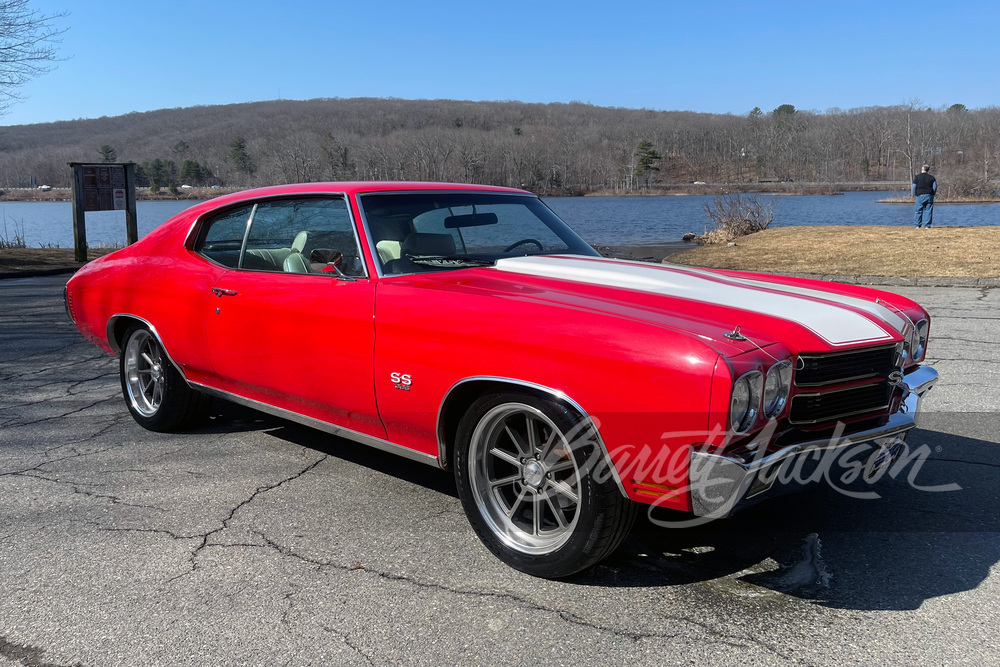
[[218, 291]]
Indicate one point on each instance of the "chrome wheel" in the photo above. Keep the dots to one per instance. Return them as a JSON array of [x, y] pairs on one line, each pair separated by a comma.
[[524, 478], [144, 373]]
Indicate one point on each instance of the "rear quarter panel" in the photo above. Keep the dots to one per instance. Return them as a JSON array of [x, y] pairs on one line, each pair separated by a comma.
[[156, 280]]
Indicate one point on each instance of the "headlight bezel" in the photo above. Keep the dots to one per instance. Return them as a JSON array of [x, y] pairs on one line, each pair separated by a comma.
[[918, 340], [741, 420], [782, 370]]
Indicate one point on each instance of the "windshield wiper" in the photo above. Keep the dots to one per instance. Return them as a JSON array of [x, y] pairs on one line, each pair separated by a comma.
[[451, 261]]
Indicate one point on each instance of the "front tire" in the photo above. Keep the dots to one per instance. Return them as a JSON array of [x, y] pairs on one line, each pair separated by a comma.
[[526, 473], [155, 392]]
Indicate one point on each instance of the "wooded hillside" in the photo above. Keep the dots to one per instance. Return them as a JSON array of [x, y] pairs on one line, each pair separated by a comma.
[[549, 148]]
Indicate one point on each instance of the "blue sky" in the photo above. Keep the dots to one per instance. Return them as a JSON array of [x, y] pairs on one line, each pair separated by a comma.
[[699, 56]]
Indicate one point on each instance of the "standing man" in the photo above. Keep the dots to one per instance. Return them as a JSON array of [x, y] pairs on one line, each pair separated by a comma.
[[924, 187]]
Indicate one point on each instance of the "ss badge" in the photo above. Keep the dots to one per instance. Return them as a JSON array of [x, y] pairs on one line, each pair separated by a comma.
[[401, 380]]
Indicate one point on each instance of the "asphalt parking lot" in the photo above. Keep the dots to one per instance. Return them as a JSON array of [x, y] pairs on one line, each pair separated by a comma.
[[256, 541]]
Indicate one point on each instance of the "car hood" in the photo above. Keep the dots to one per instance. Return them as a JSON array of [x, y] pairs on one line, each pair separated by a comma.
[[710, 305]]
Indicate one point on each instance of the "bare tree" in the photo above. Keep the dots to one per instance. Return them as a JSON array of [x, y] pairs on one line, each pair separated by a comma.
[[27, 50], [736, 215], [554, 148]]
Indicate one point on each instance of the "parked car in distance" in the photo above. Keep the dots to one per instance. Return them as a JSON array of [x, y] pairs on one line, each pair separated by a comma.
[[469, 328]]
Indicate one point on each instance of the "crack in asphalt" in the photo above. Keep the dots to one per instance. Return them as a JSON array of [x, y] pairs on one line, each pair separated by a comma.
[[49, 367], [76, 384], [60, 416], [289, 598], [77, 454], [115, 421], [206, 536], [346, 638], [153, 531], [964, 340], [524, 603], [75, 487], [62, 380], [964, 359], [37, 472]]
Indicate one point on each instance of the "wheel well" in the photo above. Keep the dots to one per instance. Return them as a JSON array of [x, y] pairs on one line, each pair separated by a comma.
[[120, 324], [117, 328], [461, 397]]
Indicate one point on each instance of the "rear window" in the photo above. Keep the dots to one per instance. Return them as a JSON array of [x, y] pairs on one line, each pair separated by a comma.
[[221, 237]]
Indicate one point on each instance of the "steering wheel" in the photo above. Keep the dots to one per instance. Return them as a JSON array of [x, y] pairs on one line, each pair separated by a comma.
[[522, 242]]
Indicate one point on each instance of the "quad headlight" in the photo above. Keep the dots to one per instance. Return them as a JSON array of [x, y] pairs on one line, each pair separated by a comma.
[[777, 384], [918, 340], [745, 401]]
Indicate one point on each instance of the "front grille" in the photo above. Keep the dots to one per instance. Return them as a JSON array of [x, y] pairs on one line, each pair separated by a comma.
[[820, 369], [831, 405]]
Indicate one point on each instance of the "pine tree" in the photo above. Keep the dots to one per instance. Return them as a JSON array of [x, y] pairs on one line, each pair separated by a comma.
[[647, 161], [240, 157]]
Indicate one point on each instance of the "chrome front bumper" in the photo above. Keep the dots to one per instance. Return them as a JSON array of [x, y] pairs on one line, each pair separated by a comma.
[[719, 483]]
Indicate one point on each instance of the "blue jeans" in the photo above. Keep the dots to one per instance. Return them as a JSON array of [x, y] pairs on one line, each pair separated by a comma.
[[925, 209]]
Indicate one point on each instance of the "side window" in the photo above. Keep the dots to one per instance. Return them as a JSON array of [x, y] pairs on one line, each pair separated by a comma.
[[313, 235], [221, 237]]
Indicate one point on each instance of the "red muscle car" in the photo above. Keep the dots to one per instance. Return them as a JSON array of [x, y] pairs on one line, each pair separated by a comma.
[[468, 327]]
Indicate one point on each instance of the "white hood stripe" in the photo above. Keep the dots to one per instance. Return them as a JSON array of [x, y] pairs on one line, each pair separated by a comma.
[[876, 310], [835, 323]]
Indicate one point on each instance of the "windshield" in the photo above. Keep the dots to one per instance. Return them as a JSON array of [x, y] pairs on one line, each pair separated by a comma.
[[416, 232]]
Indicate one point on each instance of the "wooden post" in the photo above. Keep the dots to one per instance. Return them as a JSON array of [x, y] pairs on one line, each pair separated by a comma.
[[79, 219], [131, 225]]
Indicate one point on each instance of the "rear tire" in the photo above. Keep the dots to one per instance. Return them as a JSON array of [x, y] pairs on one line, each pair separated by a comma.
[[525, 471], [155, 392]]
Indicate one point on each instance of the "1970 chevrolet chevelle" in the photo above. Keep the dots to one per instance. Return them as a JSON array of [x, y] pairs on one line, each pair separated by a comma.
[[469, 328]]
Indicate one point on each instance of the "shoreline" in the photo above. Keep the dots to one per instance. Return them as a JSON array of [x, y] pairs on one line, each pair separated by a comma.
[[65, 195], [943, 202], [771, 189], [865, 254]]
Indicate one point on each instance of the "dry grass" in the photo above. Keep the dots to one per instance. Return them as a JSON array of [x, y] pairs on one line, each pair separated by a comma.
[[859, 250], [37, 259]]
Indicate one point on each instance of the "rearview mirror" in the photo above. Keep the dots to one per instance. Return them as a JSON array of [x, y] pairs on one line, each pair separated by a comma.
[[470, 220]]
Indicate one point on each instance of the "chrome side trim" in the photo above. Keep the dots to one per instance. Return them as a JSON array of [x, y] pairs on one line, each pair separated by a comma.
[[326, 427], [368, 236], [110, 334], [554, 393], [246, 236], [729, 479]]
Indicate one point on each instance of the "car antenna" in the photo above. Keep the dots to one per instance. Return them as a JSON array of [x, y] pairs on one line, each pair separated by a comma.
[[735, 334]]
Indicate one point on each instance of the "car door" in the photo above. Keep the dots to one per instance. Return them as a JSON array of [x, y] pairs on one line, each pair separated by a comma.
[[292, 324]]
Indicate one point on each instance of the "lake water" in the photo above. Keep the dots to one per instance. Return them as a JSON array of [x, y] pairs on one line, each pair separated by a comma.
[[600, 220]]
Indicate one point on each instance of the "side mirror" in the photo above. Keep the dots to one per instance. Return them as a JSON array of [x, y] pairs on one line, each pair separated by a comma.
[[328, 260]]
